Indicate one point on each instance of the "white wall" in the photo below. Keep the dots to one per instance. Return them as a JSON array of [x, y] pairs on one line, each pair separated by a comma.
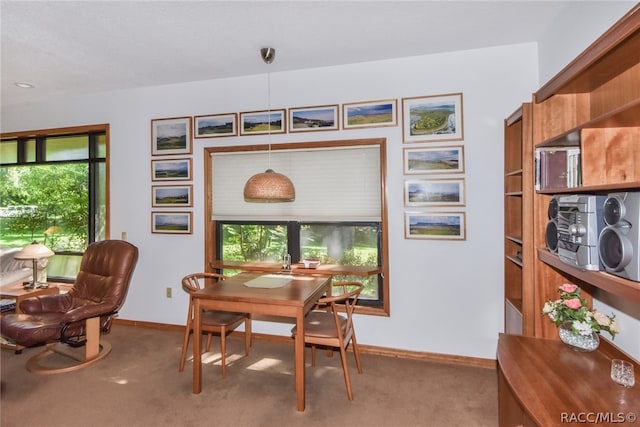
[[446, 297], [578, 25]]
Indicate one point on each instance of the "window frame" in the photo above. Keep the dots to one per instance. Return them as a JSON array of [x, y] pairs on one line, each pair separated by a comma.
[[93, 162], [211, 229]]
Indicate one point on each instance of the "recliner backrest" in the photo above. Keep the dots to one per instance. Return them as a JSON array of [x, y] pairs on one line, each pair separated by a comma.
[[105, 273]]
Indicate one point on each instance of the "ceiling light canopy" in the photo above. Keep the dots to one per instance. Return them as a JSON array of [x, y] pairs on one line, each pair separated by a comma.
[[269, 186]]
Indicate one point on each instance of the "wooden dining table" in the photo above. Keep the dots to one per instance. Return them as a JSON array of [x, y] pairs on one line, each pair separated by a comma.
[[295, 299]]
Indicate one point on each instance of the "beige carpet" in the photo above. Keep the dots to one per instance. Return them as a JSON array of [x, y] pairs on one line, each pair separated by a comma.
[[138, 384]]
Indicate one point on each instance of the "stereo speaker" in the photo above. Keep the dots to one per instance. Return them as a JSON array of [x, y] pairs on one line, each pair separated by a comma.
[[618, 244], [551, 233]]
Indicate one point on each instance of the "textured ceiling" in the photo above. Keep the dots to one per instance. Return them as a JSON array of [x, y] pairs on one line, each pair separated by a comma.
[[76, 47]]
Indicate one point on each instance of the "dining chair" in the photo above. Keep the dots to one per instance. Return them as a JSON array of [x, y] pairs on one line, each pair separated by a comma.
[[213, 321], [324, 326]]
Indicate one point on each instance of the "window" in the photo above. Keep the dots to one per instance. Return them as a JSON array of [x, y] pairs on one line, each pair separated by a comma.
[[53, 189], [338, 216], [343, 243]]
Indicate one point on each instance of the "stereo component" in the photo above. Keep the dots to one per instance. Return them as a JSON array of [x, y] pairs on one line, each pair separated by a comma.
[[618, 245], [579, 225], [551, 232]]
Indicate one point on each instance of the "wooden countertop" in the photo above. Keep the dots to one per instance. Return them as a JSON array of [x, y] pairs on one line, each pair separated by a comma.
[[551, 381]]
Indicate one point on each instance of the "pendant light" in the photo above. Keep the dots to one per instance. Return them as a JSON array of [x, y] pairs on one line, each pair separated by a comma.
[[269, 186]]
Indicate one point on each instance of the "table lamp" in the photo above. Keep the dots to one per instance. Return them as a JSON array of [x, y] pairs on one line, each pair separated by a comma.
[[34, 252]]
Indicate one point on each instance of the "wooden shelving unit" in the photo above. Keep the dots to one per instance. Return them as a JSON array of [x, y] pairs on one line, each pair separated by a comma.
[[594, 104], [518, 222], [596, 99], [518, 202]]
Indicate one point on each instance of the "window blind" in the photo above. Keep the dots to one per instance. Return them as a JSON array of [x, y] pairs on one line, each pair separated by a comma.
[[332, 184]]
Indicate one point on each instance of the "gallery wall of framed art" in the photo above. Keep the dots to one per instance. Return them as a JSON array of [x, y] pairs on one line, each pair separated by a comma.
[[171, 175], [432, 135]]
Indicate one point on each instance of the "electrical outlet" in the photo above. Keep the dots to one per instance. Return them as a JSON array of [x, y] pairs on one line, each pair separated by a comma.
[[124, 235], [168, 292]]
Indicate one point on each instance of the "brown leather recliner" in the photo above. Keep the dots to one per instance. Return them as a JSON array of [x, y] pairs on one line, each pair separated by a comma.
[[76, 318]]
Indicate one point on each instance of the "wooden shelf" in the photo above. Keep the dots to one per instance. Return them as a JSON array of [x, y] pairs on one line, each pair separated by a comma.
[[516, 239], [604, 188], [626, 289], [514, 260], [625, 116]]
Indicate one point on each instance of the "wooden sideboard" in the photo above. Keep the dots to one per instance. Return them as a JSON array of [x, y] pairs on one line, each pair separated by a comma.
[[542, 382]]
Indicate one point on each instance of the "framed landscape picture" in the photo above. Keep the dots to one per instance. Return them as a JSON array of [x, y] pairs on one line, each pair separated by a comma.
[[434, 192], [263, 122], [435, 225], [216, 125], [432, 118], [171, 136], [171, 170], [370, 114], [433, 160], [171, 195], [310, 119], [171, 222]]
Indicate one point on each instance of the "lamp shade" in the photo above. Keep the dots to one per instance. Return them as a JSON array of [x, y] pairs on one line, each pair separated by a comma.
[[269, 187], [34, 250]]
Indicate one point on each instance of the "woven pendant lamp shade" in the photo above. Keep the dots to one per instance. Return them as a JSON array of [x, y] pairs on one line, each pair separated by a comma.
[[269, 187]]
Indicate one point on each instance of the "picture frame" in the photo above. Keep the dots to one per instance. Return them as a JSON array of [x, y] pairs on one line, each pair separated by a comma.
[[216, 125], [356, 115], [435, 225], [171, 136], [172, 222], [171, 196], [314, 119], [434, 192], [432, 118], [171, 169], [433, 160], [259, 122]]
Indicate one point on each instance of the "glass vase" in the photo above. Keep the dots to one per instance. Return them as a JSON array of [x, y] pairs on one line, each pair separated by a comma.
[[577, 341]]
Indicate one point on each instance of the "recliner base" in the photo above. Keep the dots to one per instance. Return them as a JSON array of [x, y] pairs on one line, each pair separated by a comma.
[[93, 351]]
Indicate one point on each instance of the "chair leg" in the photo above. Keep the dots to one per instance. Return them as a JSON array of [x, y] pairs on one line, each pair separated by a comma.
[[223, 350], [187, 334], [185, 345], [356, 352], [247, 336], [313, 355], [345, 369], [208, 347]]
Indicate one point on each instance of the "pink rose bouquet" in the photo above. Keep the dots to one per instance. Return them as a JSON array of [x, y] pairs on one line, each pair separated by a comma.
[[572, 307]]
